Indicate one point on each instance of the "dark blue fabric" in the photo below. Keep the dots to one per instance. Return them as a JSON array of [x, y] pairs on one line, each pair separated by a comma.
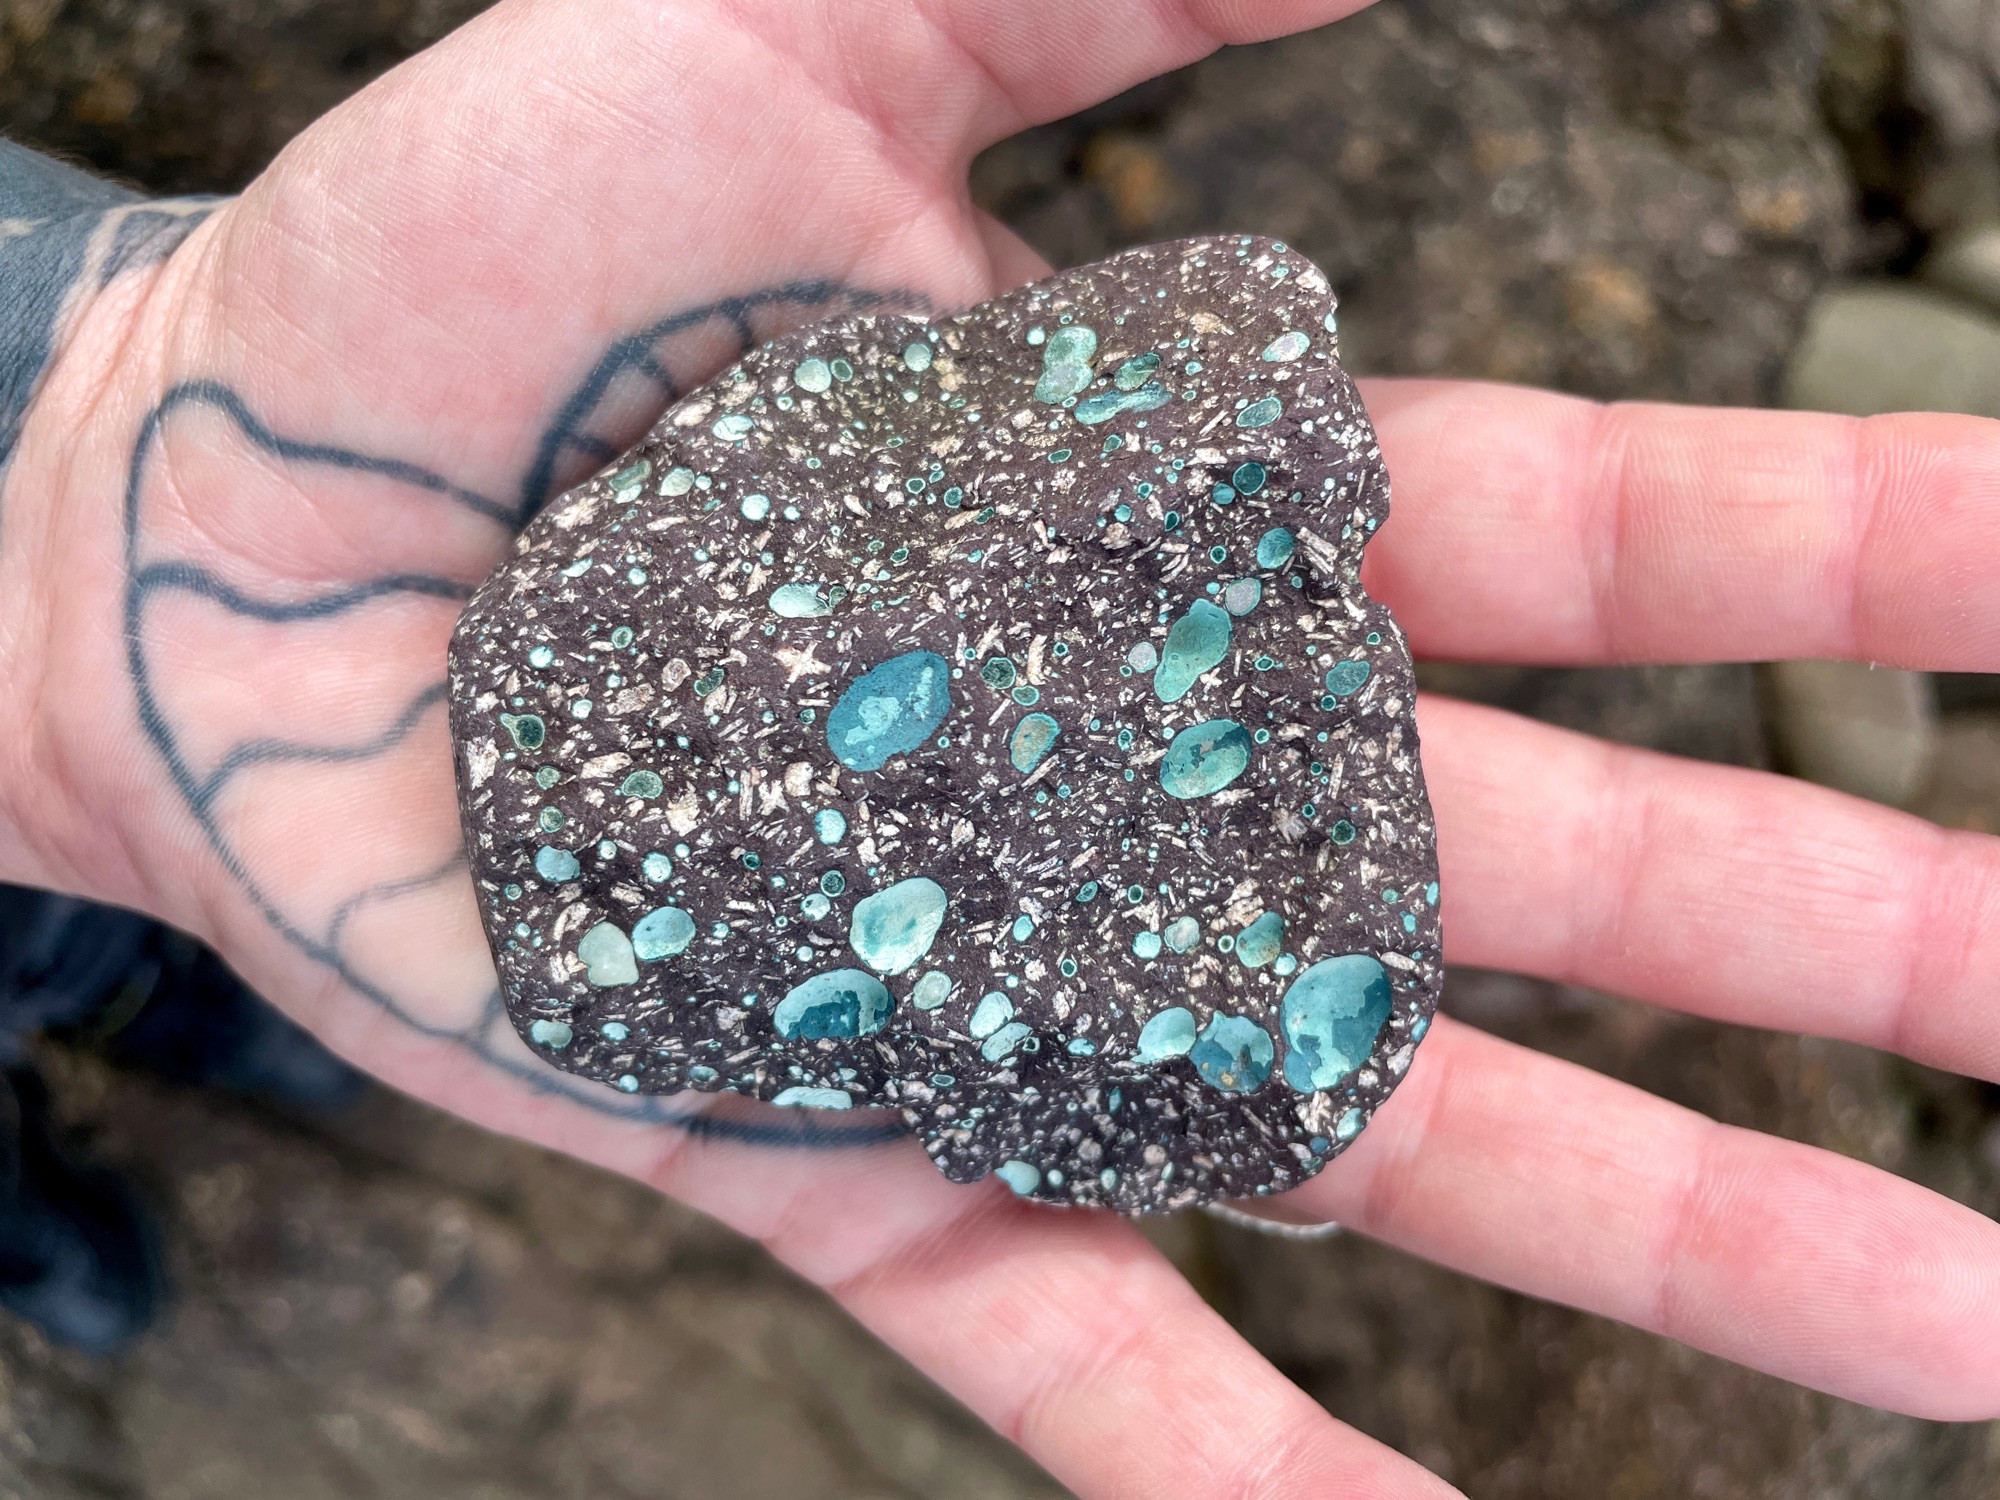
[[78, 1254]]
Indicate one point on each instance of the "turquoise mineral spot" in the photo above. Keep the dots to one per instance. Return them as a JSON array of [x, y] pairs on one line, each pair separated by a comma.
[[555, 1035], [1108, 404], [1006, 1040], [1024, 928], [677, 481], [1073, 345], [1205, 758], [892, 929], [1331, 1016], [1241, 595], [1058, 382], [549, 819], [1146, 945], [1143, 657], [1248, 478], [815, 906], [1260, 413], [1274, 548], [526, 730], [802, 1096], [735, 426], [1198, 641], [1168, 1035], [755, 507], [1287, 347], [1136, 371], [1349, 1125], [1022, 1177], [614, 1031], [997, 672], [801, 601], [931, 991], [812, 376], [993, 1011], [917, 357], [541, 656], [641, 784], [662, 933], [842, 1003], [890, 710], [1182, 934], [607, 956], [656, 867], [556, 865], [1081, 1046], [829, 825], [1032, 739], [1346, 678], [1261, 941], [1233, 1054]]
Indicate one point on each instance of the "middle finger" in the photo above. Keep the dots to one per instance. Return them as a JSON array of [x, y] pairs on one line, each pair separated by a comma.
[[1727, 893]]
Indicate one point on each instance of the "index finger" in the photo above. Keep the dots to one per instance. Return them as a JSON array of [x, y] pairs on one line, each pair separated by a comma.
[[1063, 1329], [1536, 527]]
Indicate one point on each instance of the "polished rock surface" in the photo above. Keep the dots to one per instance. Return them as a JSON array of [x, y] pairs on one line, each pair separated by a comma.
[[981, 718]]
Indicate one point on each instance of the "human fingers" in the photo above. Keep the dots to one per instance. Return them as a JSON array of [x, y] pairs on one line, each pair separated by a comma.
[[1728, 893], [1063, 1329], [1536, 527], [1545, 1177]]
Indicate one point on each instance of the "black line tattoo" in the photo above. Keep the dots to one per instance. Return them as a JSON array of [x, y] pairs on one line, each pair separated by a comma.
[[65, 235], [638, 355], [570, 436], [266, 752]]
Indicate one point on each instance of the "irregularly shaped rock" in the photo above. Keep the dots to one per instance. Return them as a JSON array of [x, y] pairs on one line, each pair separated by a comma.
[[1967, 265], [1881, 347], [1028, 757], [1871, 731]]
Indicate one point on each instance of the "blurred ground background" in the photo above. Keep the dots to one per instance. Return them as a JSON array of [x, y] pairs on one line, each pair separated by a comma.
[[1694, 200]]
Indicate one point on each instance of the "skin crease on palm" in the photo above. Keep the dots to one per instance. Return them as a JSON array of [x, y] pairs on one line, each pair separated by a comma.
[[402, 310]]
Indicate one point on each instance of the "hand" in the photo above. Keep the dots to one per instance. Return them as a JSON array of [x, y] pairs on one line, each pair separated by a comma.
[[258, 477]]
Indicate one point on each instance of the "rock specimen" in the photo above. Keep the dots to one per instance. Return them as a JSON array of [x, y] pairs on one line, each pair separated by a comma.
[[981, 718]]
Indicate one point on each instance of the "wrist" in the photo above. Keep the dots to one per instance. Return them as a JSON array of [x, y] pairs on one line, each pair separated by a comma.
[[78, 796]]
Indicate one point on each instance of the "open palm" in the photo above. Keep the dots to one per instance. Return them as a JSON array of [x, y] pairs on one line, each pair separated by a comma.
[[263, 475]]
